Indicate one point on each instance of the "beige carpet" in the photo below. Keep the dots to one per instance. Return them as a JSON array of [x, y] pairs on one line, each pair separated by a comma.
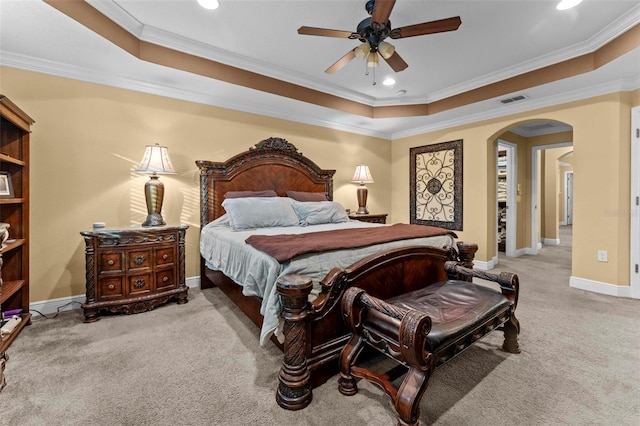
[[200, 364]]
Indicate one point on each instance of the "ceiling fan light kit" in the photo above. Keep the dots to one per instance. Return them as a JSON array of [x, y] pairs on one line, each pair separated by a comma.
[[372, 32], [362, 50], [372, 60]]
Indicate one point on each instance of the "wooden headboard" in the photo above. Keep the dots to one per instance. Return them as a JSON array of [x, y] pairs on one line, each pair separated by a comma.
[[272, 163]]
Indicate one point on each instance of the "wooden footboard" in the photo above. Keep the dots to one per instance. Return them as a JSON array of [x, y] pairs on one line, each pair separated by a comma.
[[315, 333]]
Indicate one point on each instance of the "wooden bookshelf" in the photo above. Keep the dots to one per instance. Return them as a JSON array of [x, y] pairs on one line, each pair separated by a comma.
[[15, 129]]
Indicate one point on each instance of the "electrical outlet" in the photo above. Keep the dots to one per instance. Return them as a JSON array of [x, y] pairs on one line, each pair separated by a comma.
[[602, 256]]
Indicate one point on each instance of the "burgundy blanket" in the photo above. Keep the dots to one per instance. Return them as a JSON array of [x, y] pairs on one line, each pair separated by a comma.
[[287, 246]]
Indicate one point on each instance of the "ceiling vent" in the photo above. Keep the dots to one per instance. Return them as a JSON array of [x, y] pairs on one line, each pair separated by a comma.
[[513, 99]]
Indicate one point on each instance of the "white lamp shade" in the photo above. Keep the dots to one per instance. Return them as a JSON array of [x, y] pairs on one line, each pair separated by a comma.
[[155, 160], [362, 175], [373, 60], [386, 49], [362, 50]]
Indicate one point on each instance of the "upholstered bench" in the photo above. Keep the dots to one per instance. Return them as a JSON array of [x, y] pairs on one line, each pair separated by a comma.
[[425, 328]]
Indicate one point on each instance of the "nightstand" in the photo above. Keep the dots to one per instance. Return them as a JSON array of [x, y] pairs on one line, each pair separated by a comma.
[[133, 270], [371, 218]]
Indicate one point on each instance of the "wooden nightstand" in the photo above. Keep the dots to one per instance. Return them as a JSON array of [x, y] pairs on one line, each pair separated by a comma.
[[371, 218], [134, 270]]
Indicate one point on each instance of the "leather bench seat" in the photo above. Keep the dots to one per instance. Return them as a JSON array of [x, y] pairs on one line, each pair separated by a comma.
[[455, 308]]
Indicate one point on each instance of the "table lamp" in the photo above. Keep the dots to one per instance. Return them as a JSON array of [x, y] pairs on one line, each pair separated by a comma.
[[155, 161], [362, 175]]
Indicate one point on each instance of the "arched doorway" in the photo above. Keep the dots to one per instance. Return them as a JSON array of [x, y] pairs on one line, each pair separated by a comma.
[[535, 194]]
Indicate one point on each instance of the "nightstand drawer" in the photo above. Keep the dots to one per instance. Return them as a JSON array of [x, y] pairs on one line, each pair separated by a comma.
[[165, 279], [138, 284], [139, 259], [110, 262], [110, 287], [165, 256]]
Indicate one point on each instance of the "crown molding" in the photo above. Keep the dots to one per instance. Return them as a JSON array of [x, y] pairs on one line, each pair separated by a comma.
[[95, 76], [529, 105], [184, 44]]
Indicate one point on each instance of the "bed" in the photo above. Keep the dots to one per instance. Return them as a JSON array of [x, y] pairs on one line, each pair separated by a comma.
[[298, 309]]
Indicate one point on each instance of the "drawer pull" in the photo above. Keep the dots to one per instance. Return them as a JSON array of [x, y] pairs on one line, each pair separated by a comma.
[[139, 283], [111, 286], [165, 256], [138, 260], [165, 279], [110, 262]]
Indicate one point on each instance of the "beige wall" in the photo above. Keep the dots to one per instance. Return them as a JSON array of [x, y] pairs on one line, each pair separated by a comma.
[[88, 138], [601, 136]]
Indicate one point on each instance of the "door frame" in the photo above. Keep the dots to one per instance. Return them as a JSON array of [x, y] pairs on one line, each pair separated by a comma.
[[634, 205], [512, 208], [535, 244]]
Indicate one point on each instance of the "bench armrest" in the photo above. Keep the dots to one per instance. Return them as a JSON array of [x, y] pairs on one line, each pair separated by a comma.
[[508, 281], [389, 324]]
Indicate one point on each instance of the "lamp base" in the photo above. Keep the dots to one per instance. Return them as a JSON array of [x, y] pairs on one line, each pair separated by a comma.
[[154, 219], [362, 200], [153, 194]]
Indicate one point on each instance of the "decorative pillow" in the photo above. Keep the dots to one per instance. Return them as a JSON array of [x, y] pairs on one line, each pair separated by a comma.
[[319, 212], [307, 196], [259, 212], [246, 194]]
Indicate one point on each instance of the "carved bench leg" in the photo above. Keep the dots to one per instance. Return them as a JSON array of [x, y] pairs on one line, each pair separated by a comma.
[[347, 383], [410, 393], [511, 330], [294, 389]]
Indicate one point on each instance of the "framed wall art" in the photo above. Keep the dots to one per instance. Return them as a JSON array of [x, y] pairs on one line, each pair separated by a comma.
[[436, 185], [6, 187]]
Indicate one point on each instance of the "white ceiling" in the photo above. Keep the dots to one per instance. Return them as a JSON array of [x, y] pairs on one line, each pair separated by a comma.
[[497, 40]]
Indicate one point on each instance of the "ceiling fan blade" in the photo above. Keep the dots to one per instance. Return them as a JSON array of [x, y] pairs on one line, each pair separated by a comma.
[[341, 62], [325, 32], [440, 26], [381, 11], [396, 62]]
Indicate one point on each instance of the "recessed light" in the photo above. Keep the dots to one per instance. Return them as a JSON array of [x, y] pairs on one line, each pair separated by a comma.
[[209, 4], [401, 92], [568, 4], [389, 81]]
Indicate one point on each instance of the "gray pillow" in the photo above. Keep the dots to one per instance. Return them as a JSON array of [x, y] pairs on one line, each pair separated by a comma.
[[246, 194], [319, 212], [259, 212], [307, 196]]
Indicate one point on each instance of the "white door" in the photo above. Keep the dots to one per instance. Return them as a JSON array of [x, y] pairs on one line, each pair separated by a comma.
[[568, 206]]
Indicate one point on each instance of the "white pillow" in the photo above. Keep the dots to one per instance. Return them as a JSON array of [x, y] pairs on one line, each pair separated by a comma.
[[319, 212], [259, 212]]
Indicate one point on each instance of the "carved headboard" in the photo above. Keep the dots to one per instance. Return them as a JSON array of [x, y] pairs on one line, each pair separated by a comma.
[[272, 163]]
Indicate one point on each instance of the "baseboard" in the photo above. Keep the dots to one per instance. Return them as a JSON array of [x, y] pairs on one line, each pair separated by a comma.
[[521, 252], [485, 266], [600, 287], [192, 282], [52, 306], [551, 241]]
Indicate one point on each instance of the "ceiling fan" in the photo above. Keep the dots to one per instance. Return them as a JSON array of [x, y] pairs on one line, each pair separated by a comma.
[[374, 30]]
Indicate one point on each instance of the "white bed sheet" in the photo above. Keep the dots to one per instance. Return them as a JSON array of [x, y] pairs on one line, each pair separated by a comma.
[[226, 250]]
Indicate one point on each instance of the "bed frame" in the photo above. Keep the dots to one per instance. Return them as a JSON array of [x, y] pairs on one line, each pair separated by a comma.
[[314, 333]]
